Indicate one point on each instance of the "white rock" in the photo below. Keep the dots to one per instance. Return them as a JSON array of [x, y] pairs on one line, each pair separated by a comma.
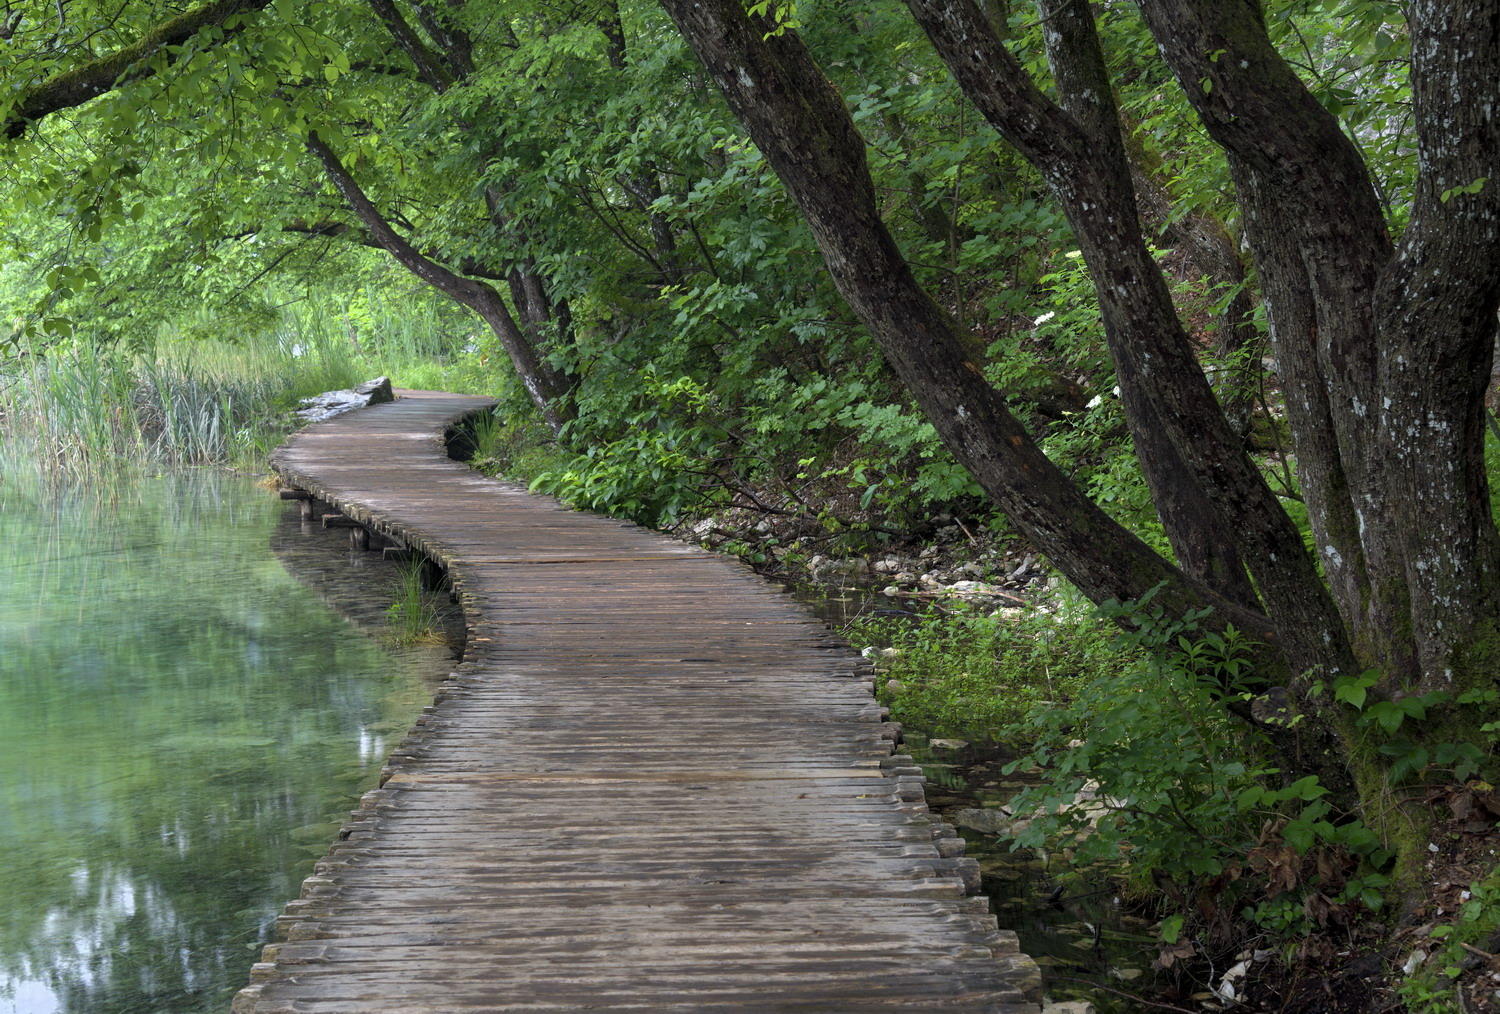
[[1069, 1007], [1230, 986], [949, 744], [332, 403]]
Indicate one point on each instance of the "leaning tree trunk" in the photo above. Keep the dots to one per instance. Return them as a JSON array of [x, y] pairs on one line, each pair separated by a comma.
[[1210, 250], [542, 320], [797, 120], [799, 123], [547, 387], [1080, 152]]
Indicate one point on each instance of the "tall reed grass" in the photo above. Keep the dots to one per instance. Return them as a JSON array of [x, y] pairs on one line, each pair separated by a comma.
[[83, 414], [414, 615]]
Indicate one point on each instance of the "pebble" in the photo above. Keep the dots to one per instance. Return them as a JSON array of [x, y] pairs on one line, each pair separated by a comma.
[[1069, 1007], [994, 821]]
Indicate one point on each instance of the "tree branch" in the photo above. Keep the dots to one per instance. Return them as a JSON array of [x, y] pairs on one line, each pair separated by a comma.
[[90, 80], [547, 387], [429, 65]]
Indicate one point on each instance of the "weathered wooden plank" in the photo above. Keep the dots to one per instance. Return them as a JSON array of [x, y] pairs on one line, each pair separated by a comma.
[[653, 785]]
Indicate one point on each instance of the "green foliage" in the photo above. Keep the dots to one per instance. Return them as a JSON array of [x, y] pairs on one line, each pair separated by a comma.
[[1411, 733], [1147, 767], [964, 672], [652, 472], [1451, 946]]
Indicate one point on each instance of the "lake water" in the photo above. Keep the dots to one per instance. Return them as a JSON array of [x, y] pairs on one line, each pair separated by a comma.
[[183, 725]]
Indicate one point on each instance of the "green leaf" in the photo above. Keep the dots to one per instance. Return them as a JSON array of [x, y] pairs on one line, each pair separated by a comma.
[[1299, 835], [1467, 188], [1351, 693], [1305, 789]]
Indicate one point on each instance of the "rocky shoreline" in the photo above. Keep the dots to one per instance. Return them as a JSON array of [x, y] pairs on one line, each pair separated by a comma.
[[951, 561]]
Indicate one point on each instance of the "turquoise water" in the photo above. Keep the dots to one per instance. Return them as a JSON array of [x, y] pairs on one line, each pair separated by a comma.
[[183, 724]]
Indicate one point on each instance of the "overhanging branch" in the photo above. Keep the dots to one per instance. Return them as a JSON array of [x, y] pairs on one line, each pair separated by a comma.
[[129, 63]]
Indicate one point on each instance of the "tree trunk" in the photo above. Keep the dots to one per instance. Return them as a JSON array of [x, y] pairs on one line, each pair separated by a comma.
[[1384, 350], [1080, 153], [799, 123], [547, 387], [1435, 313], [1210, 250]]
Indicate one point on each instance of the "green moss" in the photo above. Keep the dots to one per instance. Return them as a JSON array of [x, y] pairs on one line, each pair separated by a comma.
[[1403, 827], [1477, 661]]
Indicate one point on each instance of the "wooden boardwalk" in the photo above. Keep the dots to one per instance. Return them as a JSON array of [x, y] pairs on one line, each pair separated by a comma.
[[655, 784]]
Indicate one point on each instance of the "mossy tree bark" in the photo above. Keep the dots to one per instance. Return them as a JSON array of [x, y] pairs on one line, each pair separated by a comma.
[[1385, 347]]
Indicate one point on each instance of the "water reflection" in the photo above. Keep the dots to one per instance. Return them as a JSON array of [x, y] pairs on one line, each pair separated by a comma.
[[182, 725]]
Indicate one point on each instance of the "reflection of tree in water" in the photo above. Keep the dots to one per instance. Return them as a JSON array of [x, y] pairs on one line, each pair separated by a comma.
[[182, 726]]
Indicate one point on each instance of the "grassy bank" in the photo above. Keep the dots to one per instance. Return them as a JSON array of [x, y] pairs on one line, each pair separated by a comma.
[[76, 412], [82, 414]]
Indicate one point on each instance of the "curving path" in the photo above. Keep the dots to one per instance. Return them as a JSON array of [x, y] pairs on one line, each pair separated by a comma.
[[655, 784]]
